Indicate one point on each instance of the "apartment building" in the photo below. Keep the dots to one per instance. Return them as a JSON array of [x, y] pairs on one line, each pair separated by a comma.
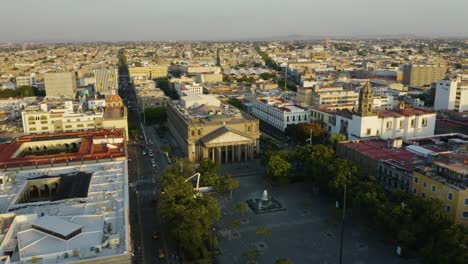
[[327, 95], [424, 74], [26, 81], [44, 120], [151, 72], [106, 81], [183, 88], [452, 95], [58, 84]]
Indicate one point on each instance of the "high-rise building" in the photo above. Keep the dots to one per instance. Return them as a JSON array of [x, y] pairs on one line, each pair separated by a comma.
[[106, 82], [59, 84], [424, 74], [452, 95]]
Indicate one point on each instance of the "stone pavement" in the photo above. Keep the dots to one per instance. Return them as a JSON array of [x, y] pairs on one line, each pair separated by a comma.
[[307, 232]]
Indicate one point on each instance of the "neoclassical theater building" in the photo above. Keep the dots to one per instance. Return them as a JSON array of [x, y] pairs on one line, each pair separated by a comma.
[[205, 128]]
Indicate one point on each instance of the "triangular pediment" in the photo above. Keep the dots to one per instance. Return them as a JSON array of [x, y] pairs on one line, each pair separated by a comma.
[[224, 136]]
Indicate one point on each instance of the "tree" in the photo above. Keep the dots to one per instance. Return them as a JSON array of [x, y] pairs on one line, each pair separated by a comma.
[[226, 184], [208, 170], [283, 261], [278, 168], [242, 207], [266, 76], [157, 115], [301, 132], [335, 138], [188, 217]]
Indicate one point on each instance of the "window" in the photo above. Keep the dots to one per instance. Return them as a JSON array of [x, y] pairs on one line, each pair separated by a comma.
[[465, 214], [199, 132], [45, 128], [466, 201], [287, 118], [79, 125], [90, 125], [389, 125], [192, 133], [412, 122], [43, 122], [32, 123], [32, 129], [68, 126], [424, 122], [401, 123], [450, 196], [368, 131], [424, 184], [448, 209], [416, 179], [415, 191], [434, 188], [423, 194]]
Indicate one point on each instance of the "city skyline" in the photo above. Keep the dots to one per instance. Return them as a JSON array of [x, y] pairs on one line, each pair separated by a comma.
[[146, 20]]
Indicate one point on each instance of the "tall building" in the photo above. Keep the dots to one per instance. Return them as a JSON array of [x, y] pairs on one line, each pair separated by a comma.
[[205, 128], [106, 81], [59, 84], [424, 74], [452, 95], [324, 96]]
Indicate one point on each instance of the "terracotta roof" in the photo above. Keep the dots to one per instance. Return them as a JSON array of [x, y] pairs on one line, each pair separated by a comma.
[[114, 98]]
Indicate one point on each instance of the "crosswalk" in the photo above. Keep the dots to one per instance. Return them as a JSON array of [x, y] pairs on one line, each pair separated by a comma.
[[145, 180], [146, 195]]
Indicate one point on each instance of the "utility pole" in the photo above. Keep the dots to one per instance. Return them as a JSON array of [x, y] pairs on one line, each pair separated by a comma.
[[342, 224]]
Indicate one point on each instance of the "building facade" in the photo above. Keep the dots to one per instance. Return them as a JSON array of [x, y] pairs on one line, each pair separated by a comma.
[[183, 88], [40, 121], [452, 95], [205, 128], [385, 124], [278, 112], [151, 72], [58, 84], [424, 74], [324, 96], [446, 180]]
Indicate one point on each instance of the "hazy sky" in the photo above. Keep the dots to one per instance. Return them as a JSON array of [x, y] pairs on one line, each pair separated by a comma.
[[89, 20]]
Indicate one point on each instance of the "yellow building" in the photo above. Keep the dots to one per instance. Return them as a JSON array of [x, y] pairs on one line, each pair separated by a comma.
[[205, 128], [319, 55], [152, 72], [446, 181]]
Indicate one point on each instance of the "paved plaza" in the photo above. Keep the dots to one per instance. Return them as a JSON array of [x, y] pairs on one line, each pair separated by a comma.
[[307, 232]]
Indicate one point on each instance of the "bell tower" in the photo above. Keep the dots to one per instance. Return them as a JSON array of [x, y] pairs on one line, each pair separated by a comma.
[[365, 100]]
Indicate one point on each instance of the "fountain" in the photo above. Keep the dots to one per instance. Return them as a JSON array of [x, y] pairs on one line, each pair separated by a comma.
[[265, 204]]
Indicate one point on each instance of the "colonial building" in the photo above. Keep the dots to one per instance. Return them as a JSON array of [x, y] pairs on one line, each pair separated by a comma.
[[324, 96], [205, 128], [367, 123], [278, 113]]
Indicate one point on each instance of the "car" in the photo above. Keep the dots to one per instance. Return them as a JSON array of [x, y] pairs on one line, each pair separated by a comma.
[[155, 235], [162, 254], [151, 154], [143, 152]]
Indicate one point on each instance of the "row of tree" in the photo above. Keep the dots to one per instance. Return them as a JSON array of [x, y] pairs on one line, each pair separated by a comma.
[[164, 85], [156, 115], [188, 216], [420, 227], [22, 91]]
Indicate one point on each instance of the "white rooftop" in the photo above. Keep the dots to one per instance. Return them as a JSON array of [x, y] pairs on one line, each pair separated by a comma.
[[56, 224]]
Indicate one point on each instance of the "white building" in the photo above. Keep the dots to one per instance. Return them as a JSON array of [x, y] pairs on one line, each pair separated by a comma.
[[279, 113], [452, 95], [26, 81], [182, 88], [384, 124]]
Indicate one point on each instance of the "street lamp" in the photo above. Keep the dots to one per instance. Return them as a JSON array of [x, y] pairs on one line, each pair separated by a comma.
[[212, 245], [342, 224], [310, 138]]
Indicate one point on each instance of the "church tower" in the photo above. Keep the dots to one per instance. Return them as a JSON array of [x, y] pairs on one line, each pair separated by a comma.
[[365, 100]]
